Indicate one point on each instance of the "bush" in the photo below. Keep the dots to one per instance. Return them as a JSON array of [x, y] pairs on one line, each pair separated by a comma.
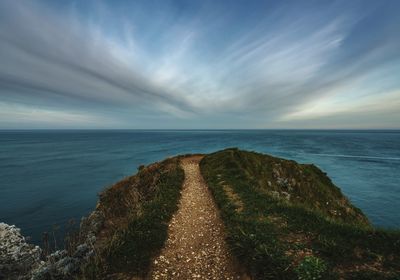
[[311, 268]]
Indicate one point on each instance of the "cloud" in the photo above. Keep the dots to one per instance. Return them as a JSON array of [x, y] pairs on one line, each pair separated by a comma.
[[15, 115], [44, 56], [198, 65]]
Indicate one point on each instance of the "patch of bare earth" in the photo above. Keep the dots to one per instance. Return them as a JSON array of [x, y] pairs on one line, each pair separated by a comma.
[[233, 197], [195, 248]]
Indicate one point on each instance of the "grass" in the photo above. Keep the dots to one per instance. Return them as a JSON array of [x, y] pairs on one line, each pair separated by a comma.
[[137, 211], [286, 220]]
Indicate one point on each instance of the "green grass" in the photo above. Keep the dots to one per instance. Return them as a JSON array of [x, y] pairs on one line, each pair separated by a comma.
[[282, 224], [137, 211]]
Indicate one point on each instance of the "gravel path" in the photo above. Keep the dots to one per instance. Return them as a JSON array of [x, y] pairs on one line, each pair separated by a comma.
[[196, 247]]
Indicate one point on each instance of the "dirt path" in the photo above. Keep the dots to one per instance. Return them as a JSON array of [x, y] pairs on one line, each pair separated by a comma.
[[196, 247]]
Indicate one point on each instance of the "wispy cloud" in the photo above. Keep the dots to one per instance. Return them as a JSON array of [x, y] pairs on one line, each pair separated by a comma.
[[198, 65], [20, 116], [52, 59]]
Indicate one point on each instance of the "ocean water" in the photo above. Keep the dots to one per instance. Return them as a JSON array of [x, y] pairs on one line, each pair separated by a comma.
[[50, 177]]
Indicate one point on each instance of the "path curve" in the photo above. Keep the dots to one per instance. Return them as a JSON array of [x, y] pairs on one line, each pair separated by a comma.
[[195, 248]]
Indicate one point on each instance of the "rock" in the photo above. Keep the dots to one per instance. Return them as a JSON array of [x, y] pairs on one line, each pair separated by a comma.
[[63, 269], [57, 255], [275, 173], [280, 195], [67, 266], [91, 225], [20, 260], [81, 250], [285, 195], [17, 257], [275, 195], [283, 182], [42, 273]]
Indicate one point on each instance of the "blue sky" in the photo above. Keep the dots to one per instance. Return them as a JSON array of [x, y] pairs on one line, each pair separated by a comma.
[[199, 64]]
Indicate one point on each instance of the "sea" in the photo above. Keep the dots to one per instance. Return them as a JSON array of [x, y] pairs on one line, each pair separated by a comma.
[[49, 178]]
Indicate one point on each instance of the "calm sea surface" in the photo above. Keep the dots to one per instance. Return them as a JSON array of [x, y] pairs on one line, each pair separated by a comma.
[[49, 177]]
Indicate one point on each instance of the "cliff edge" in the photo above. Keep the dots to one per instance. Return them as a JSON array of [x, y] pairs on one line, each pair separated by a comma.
[[289, 221], [281, 219]]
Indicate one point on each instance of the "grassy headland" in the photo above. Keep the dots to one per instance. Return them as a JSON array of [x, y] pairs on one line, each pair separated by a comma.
[[286, 220], [135, 213]]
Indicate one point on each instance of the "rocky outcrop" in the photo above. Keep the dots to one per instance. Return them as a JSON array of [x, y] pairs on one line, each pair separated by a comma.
[[21, 260], [17, 257], [62, 265]]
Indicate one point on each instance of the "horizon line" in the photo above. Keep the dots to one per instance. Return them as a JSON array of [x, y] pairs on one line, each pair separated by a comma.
[[197, 129]]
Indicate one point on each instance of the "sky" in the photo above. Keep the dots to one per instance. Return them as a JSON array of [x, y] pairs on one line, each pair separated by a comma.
[[199, 64]]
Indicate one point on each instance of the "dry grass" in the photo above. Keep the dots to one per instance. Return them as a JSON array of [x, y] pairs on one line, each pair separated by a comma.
[[136, 212]]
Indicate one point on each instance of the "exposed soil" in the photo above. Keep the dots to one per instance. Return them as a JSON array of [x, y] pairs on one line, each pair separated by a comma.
[[196, 247]]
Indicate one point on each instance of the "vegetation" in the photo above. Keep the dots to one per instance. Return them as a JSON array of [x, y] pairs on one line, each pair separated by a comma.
[[311, 268], [136, 214], [286, 220]]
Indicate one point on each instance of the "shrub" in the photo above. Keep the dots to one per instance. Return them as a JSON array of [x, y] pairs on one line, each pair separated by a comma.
[[311, 268]]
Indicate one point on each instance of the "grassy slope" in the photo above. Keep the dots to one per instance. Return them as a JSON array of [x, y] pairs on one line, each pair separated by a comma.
[[280, 216], [137, 211]]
